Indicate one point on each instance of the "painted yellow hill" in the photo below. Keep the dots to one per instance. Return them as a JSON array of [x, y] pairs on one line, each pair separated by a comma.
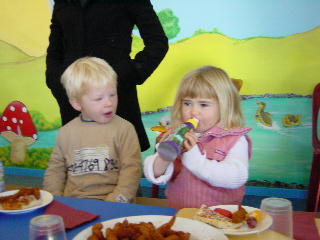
[[266, 65], [25, 24]]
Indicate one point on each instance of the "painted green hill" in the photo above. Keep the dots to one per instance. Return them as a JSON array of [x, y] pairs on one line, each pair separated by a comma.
[[24, 80], [10, 54]]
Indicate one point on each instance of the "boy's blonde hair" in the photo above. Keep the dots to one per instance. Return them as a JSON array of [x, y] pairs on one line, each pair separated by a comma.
[[210, 82], [87, 72]]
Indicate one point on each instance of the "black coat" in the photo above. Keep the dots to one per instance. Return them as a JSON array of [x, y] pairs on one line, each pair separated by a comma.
[[103, 28]]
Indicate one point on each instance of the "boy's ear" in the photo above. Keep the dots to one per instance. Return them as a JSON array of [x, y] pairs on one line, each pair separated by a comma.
[[75, 104]]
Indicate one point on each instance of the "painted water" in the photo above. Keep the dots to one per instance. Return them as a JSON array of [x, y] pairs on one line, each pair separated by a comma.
[[279, 153]]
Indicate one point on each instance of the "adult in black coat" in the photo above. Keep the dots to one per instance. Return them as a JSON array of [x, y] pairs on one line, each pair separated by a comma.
[[103, 28]]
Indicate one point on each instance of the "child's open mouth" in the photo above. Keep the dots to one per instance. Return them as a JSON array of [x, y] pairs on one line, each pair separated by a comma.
[[108, 114]]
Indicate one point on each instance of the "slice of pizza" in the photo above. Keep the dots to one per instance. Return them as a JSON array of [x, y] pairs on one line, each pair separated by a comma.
[[214, 218]]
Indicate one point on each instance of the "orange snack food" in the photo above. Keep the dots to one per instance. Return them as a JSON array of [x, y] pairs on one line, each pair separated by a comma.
[[24, 198], [138, 231], [240, 215]]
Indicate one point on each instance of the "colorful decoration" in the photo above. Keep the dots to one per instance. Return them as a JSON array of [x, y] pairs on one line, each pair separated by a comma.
[[290, 120], [263, 117], [17, 127], [163, 127]]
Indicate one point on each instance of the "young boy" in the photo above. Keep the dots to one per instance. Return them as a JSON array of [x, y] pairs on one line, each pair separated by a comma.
[[98, 153]]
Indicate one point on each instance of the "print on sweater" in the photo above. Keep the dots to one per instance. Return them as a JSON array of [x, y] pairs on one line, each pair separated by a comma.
[[92, 160]]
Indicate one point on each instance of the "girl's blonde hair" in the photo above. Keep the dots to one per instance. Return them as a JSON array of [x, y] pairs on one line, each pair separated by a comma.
[[210, 82], [87, 72]]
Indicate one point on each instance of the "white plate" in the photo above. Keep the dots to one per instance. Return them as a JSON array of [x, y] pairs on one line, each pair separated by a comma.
[[198, 230], [244, 229], [46, 198]]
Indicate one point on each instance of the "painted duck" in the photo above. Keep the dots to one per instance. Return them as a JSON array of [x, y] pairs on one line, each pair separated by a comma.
[[290, 120], [263, 117], [164, 125]]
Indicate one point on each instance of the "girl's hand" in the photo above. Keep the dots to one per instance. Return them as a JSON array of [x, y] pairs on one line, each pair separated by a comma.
[[191, 140], [164, 136]]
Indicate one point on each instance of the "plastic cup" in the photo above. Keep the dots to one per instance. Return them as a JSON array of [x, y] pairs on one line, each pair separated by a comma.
[[168, 150], [47, 227], [280, 209]]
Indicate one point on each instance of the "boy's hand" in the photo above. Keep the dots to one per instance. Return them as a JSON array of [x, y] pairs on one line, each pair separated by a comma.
[[191, 140]]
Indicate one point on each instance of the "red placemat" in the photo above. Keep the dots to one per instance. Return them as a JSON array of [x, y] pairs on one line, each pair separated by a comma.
[[71, 217], [304, 226]]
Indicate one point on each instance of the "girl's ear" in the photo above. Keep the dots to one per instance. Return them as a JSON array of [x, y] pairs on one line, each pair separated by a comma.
[[75, 104]]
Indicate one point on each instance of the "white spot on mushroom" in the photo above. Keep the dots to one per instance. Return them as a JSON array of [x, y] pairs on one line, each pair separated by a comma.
[[14, 120], [24, 109], [4, 118], [8, 128], [35, 136], [21, 121], [12, 108]]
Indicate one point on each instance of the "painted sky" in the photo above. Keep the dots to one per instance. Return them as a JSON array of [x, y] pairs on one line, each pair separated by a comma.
[[243, 18]]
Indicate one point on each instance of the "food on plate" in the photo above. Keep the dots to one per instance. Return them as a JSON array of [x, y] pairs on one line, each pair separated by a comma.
[[240, 215], [223, 212], [96, 232], [253, 218], [214, 218], [138, 231], [22, 199], [225, 219]]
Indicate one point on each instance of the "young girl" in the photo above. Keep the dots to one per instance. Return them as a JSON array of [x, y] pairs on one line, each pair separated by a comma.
[[214, 166]]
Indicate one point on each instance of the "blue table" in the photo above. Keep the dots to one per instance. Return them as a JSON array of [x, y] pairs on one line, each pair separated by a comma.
[[15, 226]]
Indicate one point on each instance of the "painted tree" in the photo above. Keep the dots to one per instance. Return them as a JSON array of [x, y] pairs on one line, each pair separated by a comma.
[[169, 22]]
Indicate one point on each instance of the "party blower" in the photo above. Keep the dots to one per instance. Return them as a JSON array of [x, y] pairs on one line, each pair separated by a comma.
[[170, 149]]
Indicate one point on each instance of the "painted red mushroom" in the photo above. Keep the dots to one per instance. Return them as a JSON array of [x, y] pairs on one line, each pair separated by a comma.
[[17, 127]]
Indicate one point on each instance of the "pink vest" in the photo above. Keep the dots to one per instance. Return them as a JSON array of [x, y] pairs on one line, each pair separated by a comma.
[[186, 190]]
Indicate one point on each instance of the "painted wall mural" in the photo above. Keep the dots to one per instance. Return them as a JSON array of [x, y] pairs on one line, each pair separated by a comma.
[[272, 46]]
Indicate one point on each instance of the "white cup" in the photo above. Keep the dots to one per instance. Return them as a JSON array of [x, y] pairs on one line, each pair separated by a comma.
[[280, 209], [47, 227]]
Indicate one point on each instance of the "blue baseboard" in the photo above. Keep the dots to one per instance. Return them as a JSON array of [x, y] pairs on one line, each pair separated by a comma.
[[250, 190], [256, 191], [277, 192], [24, 171]]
